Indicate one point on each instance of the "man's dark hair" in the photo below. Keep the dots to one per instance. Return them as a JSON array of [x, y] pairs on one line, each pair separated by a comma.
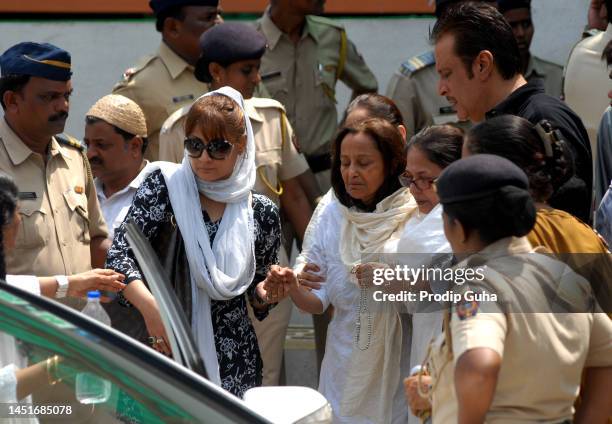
[[176, 12], [609, 8], [12, 82], [126, 135], [389, 142], [607, 53], [8, 204], [477, 27]]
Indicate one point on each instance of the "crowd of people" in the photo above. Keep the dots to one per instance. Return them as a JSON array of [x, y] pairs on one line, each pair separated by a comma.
[[224, 148]]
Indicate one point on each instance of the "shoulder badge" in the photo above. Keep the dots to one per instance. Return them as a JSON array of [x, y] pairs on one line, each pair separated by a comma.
[[67, 140], [418, 62], [142, 63], [466, 310], [590, 32]]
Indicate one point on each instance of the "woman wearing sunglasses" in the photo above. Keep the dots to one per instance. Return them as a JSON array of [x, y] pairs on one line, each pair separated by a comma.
[[230, 237]]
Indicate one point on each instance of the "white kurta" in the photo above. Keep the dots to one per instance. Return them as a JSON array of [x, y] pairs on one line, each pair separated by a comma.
[[422, 234]]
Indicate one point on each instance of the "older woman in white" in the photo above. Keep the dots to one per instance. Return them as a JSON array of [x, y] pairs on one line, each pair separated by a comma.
[[368, 207]]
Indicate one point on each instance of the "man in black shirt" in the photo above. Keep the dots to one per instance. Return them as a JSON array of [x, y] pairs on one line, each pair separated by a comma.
[[479, 64]]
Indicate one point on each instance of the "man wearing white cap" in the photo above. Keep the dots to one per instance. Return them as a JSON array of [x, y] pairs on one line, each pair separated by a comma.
[[116, 138]]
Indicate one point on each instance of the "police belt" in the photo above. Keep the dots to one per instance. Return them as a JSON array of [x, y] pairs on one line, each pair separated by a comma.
[[319, 163]]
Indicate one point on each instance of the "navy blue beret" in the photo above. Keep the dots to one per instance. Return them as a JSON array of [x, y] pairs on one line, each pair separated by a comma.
[[37, 60], [478, 176], [160, 6], [228, 43], [505, 5]]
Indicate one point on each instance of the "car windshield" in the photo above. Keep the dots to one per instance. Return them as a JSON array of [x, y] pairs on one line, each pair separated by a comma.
[[66, 367]]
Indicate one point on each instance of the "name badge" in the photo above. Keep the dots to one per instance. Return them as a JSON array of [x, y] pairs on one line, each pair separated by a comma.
[[181, 99], [27, 195]]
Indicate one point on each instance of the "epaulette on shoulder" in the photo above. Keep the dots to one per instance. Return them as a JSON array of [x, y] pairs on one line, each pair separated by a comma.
[[590, 32], [325, 21], [264, 102], [174, 118], [67, 140], [418, 62], [142, 63]]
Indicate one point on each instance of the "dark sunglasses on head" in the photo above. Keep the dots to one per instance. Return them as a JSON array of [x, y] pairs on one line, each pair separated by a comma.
[[216, 148]]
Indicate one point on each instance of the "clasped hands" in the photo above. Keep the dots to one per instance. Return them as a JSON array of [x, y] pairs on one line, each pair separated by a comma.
[[282, 281]]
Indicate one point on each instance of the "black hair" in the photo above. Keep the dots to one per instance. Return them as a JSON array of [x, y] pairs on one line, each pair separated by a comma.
[[12, 82], [377, 106], [126, 135], [609, 8], [517, 140], [389, 142], [175, 12], [607, 53], [509, 212], [477, 27], [8, 204], [440, 143]]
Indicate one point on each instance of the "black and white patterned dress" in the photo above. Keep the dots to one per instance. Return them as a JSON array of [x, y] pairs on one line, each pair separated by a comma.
[[238, 354]]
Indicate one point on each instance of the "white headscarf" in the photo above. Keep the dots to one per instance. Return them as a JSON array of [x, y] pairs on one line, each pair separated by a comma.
[[227, 268]]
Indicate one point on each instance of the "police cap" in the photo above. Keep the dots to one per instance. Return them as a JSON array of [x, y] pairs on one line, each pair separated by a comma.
[[37, 60], [226, 44]]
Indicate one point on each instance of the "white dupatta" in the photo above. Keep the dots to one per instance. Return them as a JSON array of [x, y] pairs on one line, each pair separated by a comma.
[[227, 268], [373, 373]]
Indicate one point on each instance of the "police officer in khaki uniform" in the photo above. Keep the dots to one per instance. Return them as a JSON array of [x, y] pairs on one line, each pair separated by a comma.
[[586, 81], [164, 82], [514, 346], [62, 230], [518, 15], [231, 55], [305, 57]]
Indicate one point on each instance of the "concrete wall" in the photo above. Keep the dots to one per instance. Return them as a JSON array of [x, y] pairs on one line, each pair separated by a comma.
[[101, 51]]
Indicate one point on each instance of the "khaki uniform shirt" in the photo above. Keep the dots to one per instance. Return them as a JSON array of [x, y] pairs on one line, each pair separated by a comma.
[[160, 84], [587, 83], [543, 354], [414, 89], [58, 206], [276, 157], [303, 77]]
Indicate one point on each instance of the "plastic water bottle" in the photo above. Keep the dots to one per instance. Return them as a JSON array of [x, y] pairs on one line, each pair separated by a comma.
[[91, 389]]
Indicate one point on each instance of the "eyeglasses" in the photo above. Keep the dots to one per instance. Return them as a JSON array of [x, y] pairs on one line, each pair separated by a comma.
[[420, 183], [217, 148]]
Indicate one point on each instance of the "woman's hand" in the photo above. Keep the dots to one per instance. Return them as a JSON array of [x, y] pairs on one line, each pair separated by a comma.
[[418, 405], [307, 277], [96, 279], [365, 273], [155, 326], [279, 283]]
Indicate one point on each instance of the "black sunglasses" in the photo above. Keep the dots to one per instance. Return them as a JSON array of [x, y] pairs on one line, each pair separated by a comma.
[[217, 148]]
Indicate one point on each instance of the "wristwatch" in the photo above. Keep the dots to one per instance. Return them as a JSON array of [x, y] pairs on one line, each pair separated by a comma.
[[62, 286]]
